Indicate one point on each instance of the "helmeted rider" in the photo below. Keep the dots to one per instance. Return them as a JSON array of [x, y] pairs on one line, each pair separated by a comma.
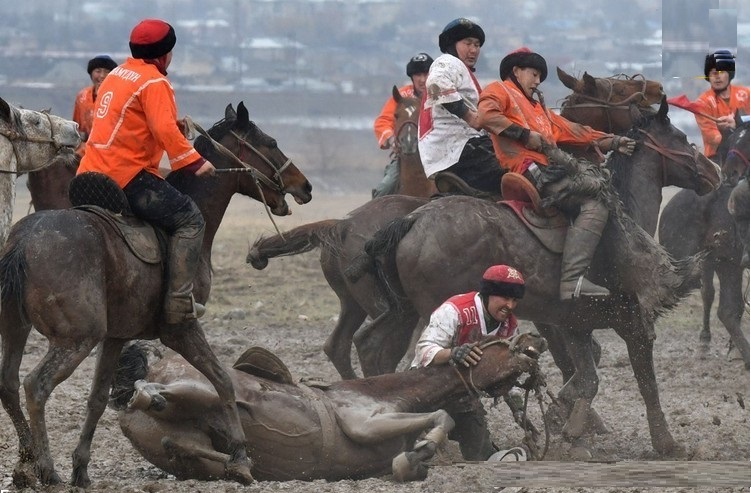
[[450, 136], [135, 122], [417, 70], [451, 336], [519, 124], [720, 101]]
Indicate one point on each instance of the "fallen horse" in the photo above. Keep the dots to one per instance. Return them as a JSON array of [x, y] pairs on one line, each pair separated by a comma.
[[344, 430]]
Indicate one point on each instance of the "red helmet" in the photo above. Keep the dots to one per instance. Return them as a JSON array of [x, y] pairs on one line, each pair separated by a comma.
[[502, 280]]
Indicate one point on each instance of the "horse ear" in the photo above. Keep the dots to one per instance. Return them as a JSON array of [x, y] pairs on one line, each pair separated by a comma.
[[243, 117], [662, 113], [5, 110], [569, 80], [396, 94], [590, 84], [229, 113]]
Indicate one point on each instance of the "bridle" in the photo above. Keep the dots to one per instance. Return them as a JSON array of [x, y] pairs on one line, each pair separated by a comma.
[[670, 154], [405, 126], [15, 137]]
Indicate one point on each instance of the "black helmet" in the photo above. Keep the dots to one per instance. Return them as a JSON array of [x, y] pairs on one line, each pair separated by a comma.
[[720, 60], [419, 64], [100, 61], [523, 57], [457, 30]]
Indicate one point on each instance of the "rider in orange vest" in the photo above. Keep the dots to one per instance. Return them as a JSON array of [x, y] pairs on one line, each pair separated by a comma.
[[519, 125], [451, 336], [135, 122], [83, 107], [720, 101], [417, 71]]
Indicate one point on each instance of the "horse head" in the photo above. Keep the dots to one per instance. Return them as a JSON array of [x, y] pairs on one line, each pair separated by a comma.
[[35, 137], [605, 103], [270, 173], [735, 153], [405, 123], [503, 361]]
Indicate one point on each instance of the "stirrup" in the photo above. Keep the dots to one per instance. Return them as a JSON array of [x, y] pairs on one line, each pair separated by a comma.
[[515, 454], [590, 290]]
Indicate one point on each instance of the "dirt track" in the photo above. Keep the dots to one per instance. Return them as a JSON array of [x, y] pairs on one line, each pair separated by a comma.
[[290, 309]]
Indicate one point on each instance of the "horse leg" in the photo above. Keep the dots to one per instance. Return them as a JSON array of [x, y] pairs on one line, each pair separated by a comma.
[[13, 336], [98, 396], [190, 342], [369, 341], [640, 351], [375, 429], [392, 341], [707, 298], [558, 349], [730, 305], [338, 345], [56, 366]]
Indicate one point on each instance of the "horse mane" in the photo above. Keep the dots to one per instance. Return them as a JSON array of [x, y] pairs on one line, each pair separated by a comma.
[[133, 365]]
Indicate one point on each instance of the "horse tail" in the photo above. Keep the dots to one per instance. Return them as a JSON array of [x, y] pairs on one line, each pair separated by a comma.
[[301, 239], [13, 266], [132, 366], [380, 256]]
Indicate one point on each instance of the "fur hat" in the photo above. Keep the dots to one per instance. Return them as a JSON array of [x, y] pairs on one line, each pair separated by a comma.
[[524, 58], [152, 38], [419, 64], [720, 60], [502, 280], [457, 30], [100, 61]]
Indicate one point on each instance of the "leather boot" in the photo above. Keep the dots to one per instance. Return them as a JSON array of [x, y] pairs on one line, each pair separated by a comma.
[[578, 249], [184, 256]]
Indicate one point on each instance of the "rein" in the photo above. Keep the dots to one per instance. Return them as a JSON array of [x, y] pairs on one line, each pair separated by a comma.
[[670, 154], [15, 136], [473, 391]]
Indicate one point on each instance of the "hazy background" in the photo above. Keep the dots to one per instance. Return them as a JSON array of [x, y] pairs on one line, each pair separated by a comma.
[[315, 73]]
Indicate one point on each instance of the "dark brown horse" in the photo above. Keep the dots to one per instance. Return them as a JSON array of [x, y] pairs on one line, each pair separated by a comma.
[[412, 179], [422, 263], [68, 274], [49, 186], [690, 223], [344, 430]]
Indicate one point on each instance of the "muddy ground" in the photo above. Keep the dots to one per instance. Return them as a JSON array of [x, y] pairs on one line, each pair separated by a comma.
[[290, 309]]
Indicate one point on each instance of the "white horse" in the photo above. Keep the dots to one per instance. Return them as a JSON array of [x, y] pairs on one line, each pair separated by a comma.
[[29, 140]]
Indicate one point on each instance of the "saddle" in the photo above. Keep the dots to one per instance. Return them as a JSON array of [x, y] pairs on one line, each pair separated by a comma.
[[549, 225], [262, 363], [100, 195]]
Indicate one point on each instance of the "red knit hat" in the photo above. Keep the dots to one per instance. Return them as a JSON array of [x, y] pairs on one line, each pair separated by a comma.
[[152, 38], [502, 280]]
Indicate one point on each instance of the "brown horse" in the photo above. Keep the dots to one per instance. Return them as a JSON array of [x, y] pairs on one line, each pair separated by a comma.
[[344, 430], [48, 187], [109, 295], [421, 264], [690, 223], [412, 179]]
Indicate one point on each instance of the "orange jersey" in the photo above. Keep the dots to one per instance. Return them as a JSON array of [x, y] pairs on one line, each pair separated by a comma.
[[135, 122], [503, 103], [83, 109], [384, 123], [710, 104]]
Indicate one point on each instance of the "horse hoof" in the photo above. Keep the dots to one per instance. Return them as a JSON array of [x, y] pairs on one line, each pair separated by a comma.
[[80, 479], [240, 472], [24, 477], [672, 450], [406, 467]]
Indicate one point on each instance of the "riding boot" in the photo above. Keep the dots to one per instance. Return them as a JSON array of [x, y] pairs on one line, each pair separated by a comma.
[[578, 249], [184, 256]]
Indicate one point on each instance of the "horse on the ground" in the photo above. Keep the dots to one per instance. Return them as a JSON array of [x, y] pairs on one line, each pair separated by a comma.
[[348, 429], [690, 223], [28, 141], [412, 179], [417, 257], [117, 292]]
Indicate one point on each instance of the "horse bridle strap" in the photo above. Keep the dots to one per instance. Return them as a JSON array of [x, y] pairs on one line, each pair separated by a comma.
[[667, 153]]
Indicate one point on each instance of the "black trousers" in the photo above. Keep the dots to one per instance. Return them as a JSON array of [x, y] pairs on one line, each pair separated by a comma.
[[478, 166]]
